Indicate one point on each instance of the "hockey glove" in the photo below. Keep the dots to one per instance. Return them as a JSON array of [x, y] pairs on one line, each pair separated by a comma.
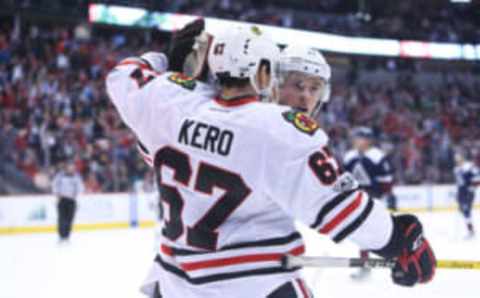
[[415, 261], [188, 50]]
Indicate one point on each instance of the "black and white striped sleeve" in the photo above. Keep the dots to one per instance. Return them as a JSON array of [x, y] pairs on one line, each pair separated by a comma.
[[313, 190], [353, 215]]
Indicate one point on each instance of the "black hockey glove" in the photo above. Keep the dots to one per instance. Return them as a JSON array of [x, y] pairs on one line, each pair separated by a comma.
[[182, 43], [415, 261]]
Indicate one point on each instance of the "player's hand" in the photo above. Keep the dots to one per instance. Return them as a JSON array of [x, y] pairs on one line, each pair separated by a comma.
[[416, 263], [182, 44]]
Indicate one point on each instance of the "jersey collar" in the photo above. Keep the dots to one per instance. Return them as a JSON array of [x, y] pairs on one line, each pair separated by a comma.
[[236, 101]]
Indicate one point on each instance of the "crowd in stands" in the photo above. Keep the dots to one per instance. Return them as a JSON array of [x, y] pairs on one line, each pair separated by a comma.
[[428, 20], [421, 127], [54, 108], [413, 20]]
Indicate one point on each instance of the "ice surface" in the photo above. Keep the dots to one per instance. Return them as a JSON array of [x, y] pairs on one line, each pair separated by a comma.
[[113, 263]]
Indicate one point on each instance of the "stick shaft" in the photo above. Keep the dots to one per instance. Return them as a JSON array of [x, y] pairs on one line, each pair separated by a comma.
[[336, 262]]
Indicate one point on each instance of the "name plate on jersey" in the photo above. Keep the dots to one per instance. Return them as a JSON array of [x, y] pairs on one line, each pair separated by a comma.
[[206, 137]]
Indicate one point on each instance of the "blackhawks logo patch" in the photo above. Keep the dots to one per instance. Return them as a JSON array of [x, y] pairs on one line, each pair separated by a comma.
[[183, 80], [301, 121]]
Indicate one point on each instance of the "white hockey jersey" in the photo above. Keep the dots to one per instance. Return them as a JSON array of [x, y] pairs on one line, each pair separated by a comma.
[[233, 176], [467, 177]]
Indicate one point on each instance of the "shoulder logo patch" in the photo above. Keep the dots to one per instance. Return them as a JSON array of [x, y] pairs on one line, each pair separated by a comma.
[[182, 80], [301, 121]]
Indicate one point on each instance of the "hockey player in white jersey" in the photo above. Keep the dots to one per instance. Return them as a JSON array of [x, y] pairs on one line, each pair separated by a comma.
[[234, 172], [304, 79]]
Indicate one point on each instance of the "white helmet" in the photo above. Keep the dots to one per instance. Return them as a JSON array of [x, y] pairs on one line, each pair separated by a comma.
[[309, 61], [238, 53]]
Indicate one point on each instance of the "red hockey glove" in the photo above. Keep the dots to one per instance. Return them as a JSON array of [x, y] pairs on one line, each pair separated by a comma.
[[415, 261]]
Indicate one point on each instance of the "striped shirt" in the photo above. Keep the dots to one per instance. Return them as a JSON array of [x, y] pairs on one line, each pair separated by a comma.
[[67, 185]]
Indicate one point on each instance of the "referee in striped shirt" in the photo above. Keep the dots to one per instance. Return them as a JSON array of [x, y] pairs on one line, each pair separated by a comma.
[[67, 184]]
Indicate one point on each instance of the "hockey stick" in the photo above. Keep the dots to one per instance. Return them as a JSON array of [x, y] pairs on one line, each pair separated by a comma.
[[302, 261]]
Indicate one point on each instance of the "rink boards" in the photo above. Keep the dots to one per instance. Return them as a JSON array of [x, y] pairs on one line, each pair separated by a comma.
[[30, 214]]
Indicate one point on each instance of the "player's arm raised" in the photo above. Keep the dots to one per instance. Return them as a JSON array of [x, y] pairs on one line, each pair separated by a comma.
[[146, 87], [129, 82], [303, 177]]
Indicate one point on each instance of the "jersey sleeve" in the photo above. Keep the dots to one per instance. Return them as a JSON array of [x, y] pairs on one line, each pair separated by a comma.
[[303, 177], [131, 86], [145, 96]]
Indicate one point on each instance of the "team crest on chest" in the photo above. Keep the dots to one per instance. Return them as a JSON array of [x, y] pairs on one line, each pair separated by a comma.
[[183, 80], [301, 121]]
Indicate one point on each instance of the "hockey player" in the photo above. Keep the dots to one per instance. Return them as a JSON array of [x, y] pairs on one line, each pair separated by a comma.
[[467, 176], [371, 166], [373, 171], [304, 79], [234, 171], [304, 74]]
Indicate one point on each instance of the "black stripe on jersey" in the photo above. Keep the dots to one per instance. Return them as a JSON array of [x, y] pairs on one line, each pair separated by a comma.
[[330, 206], [222, 276], [355, 224], [266, 242], [146, 62], [260, 243], [142, 148], [287, 290]]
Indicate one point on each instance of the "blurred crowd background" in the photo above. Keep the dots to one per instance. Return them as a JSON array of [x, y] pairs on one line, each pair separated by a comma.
[[54, 107], [429, 20]]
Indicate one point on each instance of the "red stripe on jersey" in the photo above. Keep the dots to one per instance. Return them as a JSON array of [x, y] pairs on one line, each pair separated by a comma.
[[302, 287], [191, 266], [166, 250], [146, 158], [342, 215], [235, 101], [410, 229], [140, 64], [299, 250]]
